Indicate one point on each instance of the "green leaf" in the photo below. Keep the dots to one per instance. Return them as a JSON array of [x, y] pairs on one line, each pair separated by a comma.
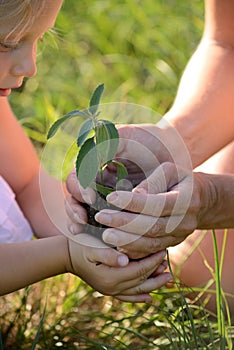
[[95, 99], [105, 190], [121, 170], [84, 131], [113, 138], [54, 127], [87, 163], [102, 139]]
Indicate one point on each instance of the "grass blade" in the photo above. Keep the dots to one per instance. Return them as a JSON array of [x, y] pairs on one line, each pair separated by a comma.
[[39, 330], [219, 301]]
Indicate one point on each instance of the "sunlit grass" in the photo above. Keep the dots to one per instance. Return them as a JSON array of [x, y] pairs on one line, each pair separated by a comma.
[[64, 313]]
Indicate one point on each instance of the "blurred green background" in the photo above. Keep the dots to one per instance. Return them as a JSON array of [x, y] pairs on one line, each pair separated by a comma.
[[137, 48]]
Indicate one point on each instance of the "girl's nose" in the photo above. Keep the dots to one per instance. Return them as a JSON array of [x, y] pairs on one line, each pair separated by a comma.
[[24, 64]]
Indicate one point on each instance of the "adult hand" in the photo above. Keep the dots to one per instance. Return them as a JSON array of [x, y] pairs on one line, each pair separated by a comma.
[[160, 212], [142, 147], [95, 263]]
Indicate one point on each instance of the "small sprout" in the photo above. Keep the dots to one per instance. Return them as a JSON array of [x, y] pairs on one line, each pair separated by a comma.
[[97, 143]]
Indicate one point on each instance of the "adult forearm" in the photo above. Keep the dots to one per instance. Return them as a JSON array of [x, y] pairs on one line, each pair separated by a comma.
[[218, 201], [24, 263], [204, 107]]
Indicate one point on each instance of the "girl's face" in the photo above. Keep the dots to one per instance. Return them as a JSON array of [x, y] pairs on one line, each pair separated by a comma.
[[18, 59]]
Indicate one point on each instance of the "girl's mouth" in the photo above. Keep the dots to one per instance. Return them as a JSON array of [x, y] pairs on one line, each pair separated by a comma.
[[5, 92]]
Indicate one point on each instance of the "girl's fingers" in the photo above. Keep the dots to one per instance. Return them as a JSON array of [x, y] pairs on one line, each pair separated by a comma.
[[140, 294], [143, 298], [149, 285], [137, 272], [101, 254], [77, 191], [120, 279], [113, 280], [75, 211], [160, 269]]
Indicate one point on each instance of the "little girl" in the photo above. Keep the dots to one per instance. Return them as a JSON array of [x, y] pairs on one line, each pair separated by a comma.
[[24, 261]]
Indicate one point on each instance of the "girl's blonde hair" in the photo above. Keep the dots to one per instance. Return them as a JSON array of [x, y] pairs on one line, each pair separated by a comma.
[[18, 16]]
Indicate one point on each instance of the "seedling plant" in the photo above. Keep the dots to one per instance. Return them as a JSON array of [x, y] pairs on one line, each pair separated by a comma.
[[97, 144]]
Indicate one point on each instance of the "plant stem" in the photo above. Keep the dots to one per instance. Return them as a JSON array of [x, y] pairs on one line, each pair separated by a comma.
[[101, 176]]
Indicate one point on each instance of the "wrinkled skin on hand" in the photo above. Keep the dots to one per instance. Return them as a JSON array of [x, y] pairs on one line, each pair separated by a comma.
[[161, 212], [142, 149]]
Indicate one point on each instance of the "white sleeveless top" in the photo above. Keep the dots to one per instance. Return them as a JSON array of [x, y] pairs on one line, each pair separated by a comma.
[[13, 225]]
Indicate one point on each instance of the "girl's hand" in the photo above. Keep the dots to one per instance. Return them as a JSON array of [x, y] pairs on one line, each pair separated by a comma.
[[161, 211], [77, 215], [96, 264]]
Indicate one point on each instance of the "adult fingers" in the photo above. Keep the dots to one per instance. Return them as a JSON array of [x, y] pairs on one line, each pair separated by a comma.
[[176, 189], [136, 247], [164, 177], [149, 204], [146, 225]]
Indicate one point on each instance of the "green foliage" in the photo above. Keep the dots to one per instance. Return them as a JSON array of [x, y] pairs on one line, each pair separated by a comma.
[[53, 129], [138, 48], [95, 152], [77, 318]]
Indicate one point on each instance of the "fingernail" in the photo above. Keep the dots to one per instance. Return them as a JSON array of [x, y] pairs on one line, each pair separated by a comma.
[[162, 254], [162, 267], [80, 218], [169, 276], [87, 198], [109, 237], [73, 229], [112, 198], [139, 190], [103, 218], [123, 260]]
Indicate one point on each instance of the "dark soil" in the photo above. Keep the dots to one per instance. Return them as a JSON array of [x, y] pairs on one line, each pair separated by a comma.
[[93, 227]]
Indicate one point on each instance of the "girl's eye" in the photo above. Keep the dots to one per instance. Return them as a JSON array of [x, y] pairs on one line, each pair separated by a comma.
[[5, 47]]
